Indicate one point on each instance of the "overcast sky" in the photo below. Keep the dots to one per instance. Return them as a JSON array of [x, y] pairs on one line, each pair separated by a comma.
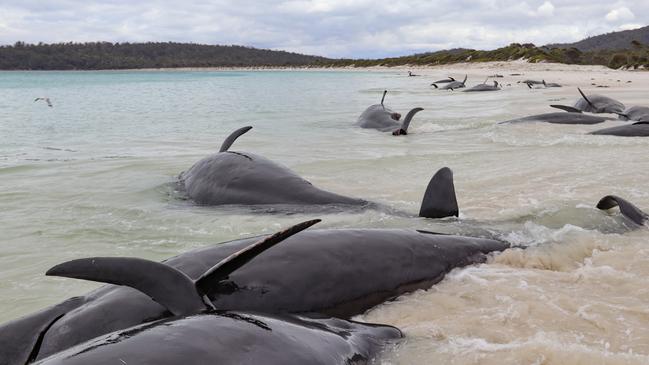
[[333, 28]]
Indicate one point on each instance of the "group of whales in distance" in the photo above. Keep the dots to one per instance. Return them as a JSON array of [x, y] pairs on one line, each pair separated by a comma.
[[596, 104], [384, 119], [273, 299]]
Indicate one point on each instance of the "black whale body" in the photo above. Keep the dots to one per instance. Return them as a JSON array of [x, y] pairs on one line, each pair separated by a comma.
[[246, 179], [242, 178], [333, 272], [560, 118], [638, 129], [384, 119], [233, 338]]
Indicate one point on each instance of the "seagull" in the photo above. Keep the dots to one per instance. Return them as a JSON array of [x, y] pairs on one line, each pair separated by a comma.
[[47, 100]]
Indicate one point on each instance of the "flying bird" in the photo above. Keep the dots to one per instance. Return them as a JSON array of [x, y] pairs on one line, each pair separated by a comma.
[[47, 100]]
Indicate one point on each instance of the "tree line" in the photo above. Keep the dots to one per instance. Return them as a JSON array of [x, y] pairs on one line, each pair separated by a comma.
[[106, 55]]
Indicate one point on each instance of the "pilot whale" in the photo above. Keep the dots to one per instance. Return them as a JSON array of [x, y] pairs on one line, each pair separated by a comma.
[[593, 104], [637, 129], [333, 272], [380, 117], [452, 85], [484, 87], [234, 338], [242, 178], [559, 118], [196, 333]]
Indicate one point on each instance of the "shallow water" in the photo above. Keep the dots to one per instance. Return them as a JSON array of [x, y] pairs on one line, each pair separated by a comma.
[[93, 174]]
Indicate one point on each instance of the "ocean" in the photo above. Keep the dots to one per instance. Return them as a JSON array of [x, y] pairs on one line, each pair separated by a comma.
[[94, 176]]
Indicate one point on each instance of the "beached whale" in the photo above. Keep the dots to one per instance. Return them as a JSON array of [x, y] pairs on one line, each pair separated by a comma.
[[545, 85], [530, 82], [551, 84], [335, 272], [483, 87], [593, 104], [559, 118], [243, 178], [380, 117], [196, 333], [444, 81], [234, 338], [637, 129], [635, 113], [452, 85]]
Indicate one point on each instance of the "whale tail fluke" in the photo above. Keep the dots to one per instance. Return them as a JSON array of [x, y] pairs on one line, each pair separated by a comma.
[[439, 199], [233, 137], [626, 208], [569, 109], [167, 285], [406, 122]]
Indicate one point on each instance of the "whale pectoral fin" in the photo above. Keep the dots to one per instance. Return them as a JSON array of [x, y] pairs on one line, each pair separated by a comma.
[[408, 118], [439, 199], [641, 122], [225, 267], [626, 208], [164, 284], [233, 137], [567, 108]]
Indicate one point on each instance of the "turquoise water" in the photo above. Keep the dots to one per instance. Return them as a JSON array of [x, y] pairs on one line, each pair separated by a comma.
[[93, 176]]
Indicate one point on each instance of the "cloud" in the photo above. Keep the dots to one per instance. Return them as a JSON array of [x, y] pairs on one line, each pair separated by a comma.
[[546, 9], [334, 28], [619, 14]]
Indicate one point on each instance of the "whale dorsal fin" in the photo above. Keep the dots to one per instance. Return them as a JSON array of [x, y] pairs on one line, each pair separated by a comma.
[[406, 122], [434, 85], [586, 98], [451, 78], [464, 81], [569, 109], [383, 98], [233, 137], [225, 267], [626, 208], [164, 284], [439, 199]]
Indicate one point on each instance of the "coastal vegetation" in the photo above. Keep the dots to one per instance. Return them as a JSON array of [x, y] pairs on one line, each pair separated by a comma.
[[614, 50], [106, 55], [636, 56]]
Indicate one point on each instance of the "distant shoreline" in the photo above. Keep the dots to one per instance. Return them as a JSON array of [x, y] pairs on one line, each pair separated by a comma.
[[519, 65]]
